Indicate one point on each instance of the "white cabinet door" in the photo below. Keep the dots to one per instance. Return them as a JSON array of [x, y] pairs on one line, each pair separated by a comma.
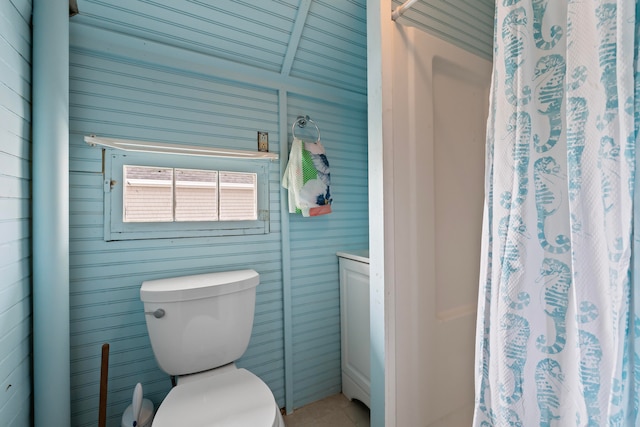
[[354, 321]]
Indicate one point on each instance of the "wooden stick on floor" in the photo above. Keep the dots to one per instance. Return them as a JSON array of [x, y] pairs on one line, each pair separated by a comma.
[[104, 375]]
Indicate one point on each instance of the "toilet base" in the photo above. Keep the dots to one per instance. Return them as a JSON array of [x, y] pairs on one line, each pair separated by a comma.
[[279, 422]]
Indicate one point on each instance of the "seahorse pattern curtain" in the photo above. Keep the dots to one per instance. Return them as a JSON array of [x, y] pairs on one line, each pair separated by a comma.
[[558, 328]]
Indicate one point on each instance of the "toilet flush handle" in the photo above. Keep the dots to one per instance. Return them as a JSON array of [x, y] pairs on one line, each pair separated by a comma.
[[157, 314]]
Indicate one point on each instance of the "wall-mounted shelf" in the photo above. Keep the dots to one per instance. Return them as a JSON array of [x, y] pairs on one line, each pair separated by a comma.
[[187, 150]]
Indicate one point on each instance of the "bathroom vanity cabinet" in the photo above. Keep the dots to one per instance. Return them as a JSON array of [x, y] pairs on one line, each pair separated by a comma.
[[354, 322]]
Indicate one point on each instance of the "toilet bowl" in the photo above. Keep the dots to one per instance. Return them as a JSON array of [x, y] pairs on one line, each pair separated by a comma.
[[198, 326], [234, 398]]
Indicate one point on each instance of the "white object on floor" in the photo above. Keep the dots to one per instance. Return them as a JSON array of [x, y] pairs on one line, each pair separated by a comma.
[[144, 419]]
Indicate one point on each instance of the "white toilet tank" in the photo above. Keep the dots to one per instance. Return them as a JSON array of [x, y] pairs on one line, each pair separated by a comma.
[[199, 322]]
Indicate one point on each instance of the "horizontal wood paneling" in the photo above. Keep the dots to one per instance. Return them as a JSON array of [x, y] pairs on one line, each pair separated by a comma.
[[315, 241], [15, 213], [131, 94], [140, 101], [120, 97], [465, 23]]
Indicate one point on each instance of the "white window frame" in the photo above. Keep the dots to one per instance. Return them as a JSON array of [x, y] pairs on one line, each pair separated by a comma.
[[116, 229]]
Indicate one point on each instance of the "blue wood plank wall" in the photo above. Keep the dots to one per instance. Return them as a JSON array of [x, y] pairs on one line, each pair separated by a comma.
[[124, 97], [122, 85], [314, 243], [15, 197], [465, 23]]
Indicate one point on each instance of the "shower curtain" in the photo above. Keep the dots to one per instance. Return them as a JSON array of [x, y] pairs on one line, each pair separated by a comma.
[[557, 331]]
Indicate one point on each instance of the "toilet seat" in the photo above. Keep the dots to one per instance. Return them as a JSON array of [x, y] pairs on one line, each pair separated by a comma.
[[235, 398]]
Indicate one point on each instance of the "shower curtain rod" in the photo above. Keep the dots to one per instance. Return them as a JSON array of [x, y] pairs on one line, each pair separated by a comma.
[[398, 11]]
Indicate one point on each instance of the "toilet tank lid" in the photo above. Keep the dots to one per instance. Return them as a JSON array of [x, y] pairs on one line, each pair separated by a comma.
[[198, 286]]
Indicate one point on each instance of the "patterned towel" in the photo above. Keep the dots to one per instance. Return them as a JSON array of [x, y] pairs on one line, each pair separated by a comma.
[[308, 179]]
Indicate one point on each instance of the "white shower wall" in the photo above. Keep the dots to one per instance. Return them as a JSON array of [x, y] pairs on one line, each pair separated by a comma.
[[439, 111]]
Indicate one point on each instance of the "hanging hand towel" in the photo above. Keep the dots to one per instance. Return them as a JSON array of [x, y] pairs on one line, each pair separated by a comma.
[[308, 179]]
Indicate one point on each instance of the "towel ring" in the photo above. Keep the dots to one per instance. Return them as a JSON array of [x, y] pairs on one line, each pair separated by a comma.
[[302, 121]]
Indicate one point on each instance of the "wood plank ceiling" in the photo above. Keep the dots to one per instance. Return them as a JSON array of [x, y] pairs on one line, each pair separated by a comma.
[[323, 41]]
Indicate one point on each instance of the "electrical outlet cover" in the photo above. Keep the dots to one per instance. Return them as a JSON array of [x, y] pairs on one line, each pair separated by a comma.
[[263, 141]]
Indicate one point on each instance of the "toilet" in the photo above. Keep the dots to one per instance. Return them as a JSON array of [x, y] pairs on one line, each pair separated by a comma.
[[199, 326]]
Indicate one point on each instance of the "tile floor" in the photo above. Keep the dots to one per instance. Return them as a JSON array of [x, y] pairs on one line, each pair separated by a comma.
[[333, 411]]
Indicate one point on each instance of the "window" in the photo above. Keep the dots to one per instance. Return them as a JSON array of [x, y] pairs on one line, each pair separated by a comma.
[[153, 194], [158, 196]]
